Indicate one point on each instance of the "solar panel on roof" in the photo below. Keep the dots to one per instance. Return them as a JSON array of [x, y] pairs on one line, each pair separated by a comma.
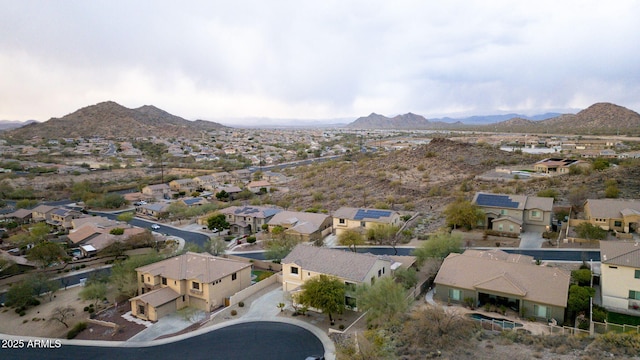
[[496, 200], [371, 214]]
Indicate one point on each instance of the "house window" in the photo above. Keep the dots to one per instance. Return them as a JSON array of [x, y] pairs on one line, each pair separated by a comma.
[[195, 285], [504, 212], [349, 286], [294, 270], [511, 228], [148, 278], [634, 295], [535, 214], [637, 274], [379, 272], [234, 276], [455, 294], [500, 227], [164, 281], [141, 309], [617, 223], [363, 224], [612, 267], [341, 221], [142, 278], [540, 311]]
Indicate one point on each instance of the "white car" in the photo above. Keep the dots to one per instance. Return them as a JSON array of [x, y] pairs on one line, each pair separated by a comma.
[[155, 226]]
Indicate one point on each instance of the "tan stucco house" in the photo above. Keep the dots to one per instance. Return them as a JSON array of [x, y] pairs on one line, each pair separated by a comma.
[[247, 219], [620, 276], [302, 225], [557, 165], [201, 281], [156, 191], [504, 279], [186, 185], [362, 219], [515, 213], [620, 215], [306, 261]]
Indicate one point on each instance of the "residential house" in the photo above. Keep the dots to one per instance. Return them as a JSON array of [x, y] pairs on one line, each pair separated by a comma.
[[97, 233], [155, 210], [41, 213], [205, 182], [362, 219], [259, 185], [194, 201], [498, 278], [200, 281], [183, 185], [20, 216], [248, 219], [242, 175], [223, 177], [233, 191], [515, 213], [63, 217], [621, 215], [157, 191], [305, 262], [557, 165], [620, 276], [304, 226]]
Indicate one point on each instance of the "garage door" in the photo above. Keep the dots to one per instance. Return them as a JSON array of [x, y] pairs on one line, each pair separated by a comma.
[[198, 303]]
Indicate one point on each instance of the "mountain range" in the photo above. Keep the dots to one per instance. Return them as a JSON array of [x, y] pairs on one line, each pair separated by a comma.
[[599, 118], [112, 120]]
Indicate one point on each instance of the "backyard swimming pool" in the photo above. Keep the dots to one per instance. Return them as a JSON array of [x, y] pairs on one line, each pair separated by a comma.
[[504, 323]]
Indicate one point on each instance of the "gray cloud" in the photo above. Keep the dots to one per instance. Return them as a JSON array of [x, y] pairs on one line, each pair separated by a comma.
[[292, 59]]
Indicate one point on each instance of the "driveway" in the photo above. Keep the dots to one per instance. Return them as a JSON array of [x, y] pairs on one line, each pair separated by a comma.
[[531, 240]]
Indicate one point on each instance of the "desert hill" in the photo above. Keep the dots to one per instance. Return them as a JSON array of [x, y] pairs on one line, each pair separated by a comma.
[[399, 122], [112, 120]]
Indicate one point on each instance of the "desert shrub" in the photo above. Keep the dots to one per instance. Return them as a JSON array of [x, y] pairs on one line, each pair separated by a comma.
[[251, 239], [234, 313], [621, 344], [77, 329], [241, 304]]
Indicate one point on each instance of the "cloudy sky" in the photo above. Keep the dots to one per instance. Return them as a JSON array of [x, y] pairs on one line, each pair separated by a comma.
[[224, 60]]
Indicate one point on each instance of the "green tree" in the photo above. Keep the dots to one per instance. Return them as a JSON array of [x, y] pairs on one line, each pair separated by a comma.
[[126, 216], [325, 293], [95, 291], [386, 235], [599, 164], [611, 192], [39, 232], [215, 246], [42, 284], [463, 213], [439, 246], [279, 247], [581, 277], [351, 238], [408, 277], [589, 231], [116, 231], [20, 294], [222, 195], [123, 274], [218, 222], [26, 203], [46, 253], [578, 300], [385, 301]]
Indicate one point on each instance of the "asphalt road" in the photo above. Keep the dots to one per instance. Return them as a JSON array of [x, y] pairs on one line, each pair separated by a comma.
[[253, 340], [541, 254], [188, 236]]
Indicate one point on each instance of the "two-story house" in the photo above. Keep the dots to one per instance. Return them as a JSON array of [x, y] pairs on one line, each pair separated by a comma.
[[620, 276], [63, 217], [515, 213], [42, 213], [248, 219], [156, 191], [201, 281], [302, 225], [183, 185], [205, 182], [362, 219], [622, 215], [306, 261]]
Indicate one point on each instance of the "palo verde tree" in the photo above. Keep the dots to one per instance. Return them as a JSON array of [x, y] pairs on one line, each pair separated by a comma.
[[438, 247], [351, 238], [385, 301], [462, 213], [325, 293]]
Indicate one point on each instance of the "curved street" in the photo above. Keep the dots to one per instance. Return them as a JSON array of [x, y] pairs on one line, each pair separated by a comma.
[[265, 340]]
